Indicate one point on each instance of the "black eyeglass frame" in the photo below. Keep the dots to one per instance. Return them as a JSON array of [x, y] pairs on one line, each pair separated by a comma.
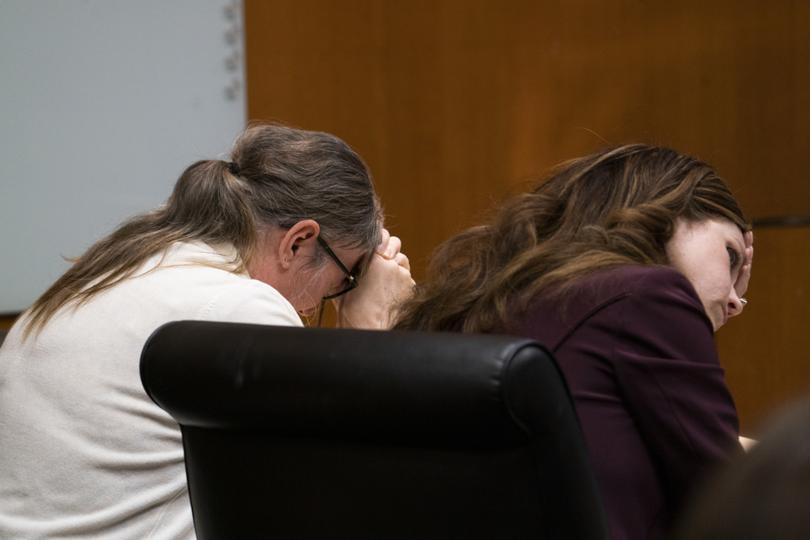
[[350, 276]]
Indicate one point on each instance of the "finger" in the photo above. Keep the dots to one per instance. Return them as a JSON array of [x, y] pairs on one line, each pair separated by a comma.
[[411, 281], [394, 246], [741, 286], [402, 260], [748, 258], [407, 282], [407, 290], [385, 236], [749, 246]]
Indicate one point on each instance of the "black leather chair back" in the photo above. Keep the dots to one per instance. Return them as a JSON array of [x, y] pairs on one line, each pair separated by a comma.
[[324, 433]]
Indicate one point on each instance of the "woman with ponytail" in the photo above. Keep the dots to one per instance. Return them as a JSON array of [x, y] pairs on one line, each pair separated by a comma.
[[623, 263], [290, 220]]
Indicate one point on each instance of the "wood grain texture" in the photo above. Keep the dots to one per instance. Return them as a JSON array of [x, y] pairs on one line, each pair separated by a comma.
[[766, 350], [6, 321], [455, 104]]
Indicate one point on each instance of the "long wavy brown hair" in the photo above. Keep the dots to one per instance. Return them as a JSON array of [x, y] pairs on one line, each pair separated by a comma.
[[277, 175], [615, 207]]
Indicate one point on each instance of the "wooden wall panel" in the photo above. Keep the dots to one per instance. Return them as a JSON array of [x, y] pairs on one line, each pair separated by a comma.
[[456, 103], [766, 350], [6, 321]]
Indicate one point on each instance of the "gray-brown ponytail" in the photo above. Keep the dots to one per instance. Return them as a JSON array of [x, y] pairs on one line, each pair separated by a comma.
[[277, 176]]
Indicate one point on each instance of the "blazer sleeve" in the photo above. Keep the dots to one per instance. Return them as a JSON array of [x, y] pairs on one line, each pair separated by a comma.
[[667, 369]]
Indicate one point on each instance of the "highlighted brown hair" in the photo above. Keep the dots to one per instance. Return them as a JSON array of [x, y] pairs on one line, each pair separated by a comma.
[[614, 207]]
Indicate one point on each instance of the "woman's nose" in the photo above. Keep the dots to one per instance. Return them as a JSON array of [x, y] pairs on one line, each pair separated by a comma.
[[735, 303]]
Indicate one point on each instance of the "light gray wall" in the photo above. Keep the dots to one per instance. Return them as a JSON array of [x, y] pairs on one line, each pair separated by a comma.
[[102, 104]]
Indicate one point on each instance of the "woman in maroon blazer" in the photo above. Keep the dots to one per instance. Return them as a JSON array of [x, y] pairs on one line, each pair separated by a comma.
[[623, 263]]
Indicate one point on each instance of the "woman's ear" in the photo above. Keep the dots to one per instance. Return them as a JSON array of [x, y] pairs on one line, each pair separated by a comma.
[[298, 241]]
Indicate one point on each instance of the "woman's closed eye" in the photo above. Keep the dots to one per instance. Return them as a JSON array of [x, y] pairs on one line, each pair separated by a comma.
[[733, 258]]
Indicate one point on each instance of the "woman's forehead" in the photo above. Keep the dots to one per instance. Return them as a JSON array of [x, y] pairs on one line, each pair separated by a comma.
[[713, 228], [356, 259]]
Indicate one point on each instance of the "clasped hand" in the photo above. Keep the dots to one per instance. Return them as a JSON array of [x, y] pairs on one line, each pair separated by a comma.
[[741, 285], [386, 282]]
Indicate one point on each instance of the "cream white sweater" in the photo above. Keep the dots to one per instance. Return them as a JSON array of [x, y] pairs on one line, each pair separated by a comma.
[[83, 450]]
